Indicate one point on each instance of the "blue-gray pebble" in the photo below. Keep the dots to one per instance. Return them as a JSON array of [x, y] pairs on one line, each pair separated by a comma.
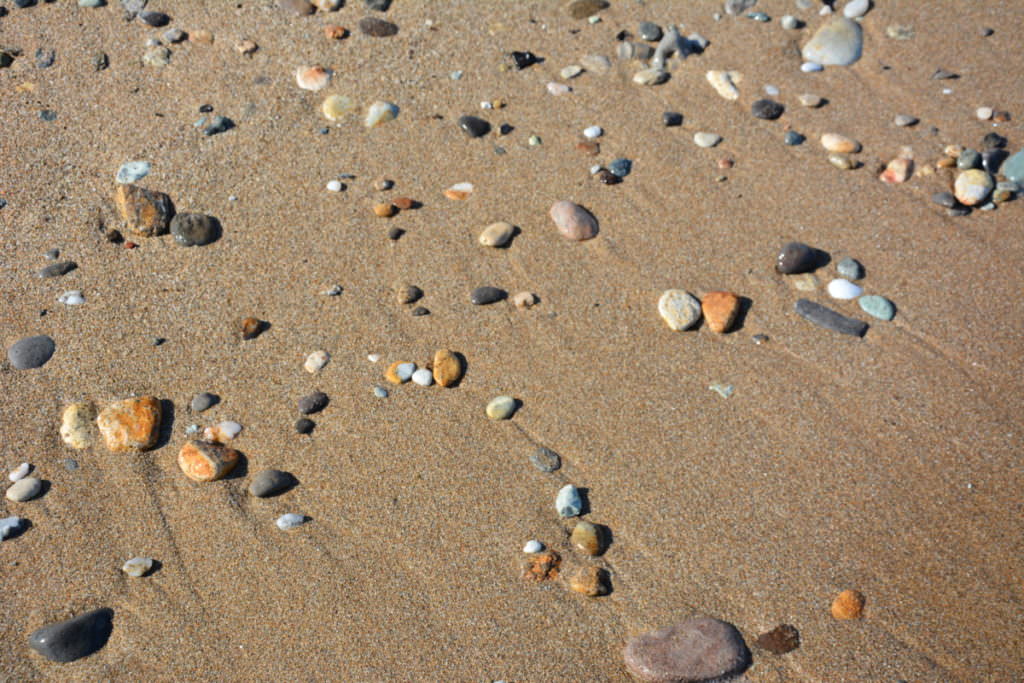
[[66, 641], [850, 268], [31, 352]]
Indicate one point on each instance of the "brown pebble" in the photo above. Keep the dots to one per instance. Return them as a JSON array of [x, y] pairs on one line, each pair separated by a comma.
[[587, 538], [946, 162], [590, 581], [1001, 116], [589, 148], [404, 203], [720, 310], [848, 605], [335, 32], [145, 213], [251, 328], [725, 163], [541, 566], [607, 177], [524, 299], [130, 245], [457, 195], [391, 373], [201, 36], [206, 461], [447, 368], [780, 640], [385, 210]]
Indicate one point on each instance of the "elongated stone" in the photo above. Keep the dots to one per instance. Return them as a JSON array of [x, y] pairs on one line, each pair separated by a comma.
[[829, 319], [696, 650], [877, 306], [66, 641], [497, 234], [78, 427], [206, 461], [573, 221]]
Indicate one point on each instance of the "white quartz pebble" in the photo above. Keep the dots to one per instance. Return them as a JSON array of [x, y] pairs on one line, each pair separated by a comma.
[[316, 361], [137, 566], [592, 132], [373, 357], [72, 298], [423, 377], [706, 139], [533, 547], [558, 88], [855, 9], [334, 186], [290, 520], [841, 288], [810, 67], [20, 472]]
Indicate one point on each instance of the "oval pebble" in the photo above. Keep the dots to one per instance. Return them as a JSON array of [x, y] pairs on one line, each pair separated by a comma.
[[290, 520], [592, 132], [24, 489], [497, 234], [679, 309], [836, 43], [31, 352], [313, 403], [380, 112], [877, 306], [423, 377], [834, 142], [336, 107], [545, 459], [316, 361], [20, 472], [841, 288], [700, 649], [71, 298], [481, 296], [973, 187], [501, 408], [137, 566], [270, 482], [533, 547], [706, 139], [569, 503], [573, 221]]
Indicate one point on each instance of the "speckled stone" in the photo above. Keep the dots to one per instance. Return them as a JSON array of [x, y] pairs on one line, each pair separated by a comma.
[[679, 309], [194, 229], [573, 221], [695, 650], [850, 268], [313, 403], [377, 28], [206, 461], [31, 352], [767, 109], [545, 459]]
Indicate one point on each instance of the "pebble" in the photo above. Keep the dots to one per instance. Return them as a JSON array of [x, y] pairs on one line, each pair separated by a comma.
[[423, 377], [497, 234], [385, 209], [77, 427], [834, 142], [841, 288], [590, 581], [557, 89], [290, 520], [71, 298], [334, 186], [533, 547], [380, 112], [850, 268], [154, 19], [206, 460], [1013, 168], [10, 527], [706, 140], [502, 408], [545, 459], [203, 401], [304, 425], [399, 372], [525, 299], [855, 9], [582, 9], [174, 35], [829, 319], [592, 132], [811, 100], [407, 294], [71, 639], [569, 503], [737, 7], [877, 307], [131, 171], [481, 296], [336, 107], [792, 138], [218, 124], [377, 28], [157, 56], [648, 30], [598, 64], [904, 120], [679, 309], [837, 43], [459, 191], [251, 328], [842, 161], [789, 22], [24, 490], [132, 424], [848, 605], [720, 310], [313, 403], [811, 67], [671, 119], [145, 212], [335, 5], [767, 109], [650, 77], [474, 126], [573, 221], [222, 432], [316, 361], [780, 640], [968, 159], [335, 32], [983, 113], [571, 71], [380, 392], [20, 472], [137, 566], [194, 229], [694, 650], [973, 187], [993, 141], [312, 77], [587, 538], [57, 269], [270, 482], [897, 171], [724, 83]]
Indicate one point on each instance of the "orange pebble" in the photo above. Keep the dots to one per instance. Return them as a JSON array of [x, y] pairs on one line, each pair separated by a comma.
[[384, 210], [848, 605]]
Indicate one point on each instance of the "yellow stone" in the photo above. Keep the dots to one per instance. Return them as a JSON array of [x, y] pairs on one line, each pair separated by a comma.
[[447, 368], [78, 427], [337, 107]]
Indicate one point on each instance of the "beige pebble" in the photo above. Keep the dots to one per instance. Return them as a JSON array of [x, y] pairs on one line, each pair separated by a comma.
[[312, 77], [724, 83], [834, 142], [497, 234], [590, 581], [897, 171], [78, 427], [811, 100], [447, 368], [587, 538], [842, 161], [336, 107], [246, 47], [316, 361], [983, 113], [524, 299]]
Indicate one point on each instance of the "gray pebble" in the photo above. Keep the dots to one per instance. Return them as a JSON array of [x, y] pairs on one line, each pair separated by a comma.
[[968, 159], [545, 459], [194, 229], [767, 109], [313, 403], [24, 489], [204, 401], [44, 58], [648, 30], [380, 392], [850, 268], [58, 269], [482, 296], [218, 124], [154, 19], [70, 464], [270, 482], [792, 138], [174, 35], [378, 5], [304, 425], [945, 199], [620, 167], [829, 319], [31, 352], [66, 641], [11, 527]]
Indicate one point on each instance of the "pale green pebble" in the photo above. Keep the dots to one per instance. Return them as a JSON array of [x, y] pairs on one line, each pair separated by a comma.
[[724, 390], [92, 3], [501, 408], [535, 140], [877, 306], [1013, 168]]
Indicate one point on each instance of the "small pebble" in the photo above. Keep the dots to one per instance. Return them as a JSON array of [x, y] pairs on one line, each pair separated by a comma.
[[20, 472], [972, 187], [850, 268], [811, 101], [316, 361], [679, 309], [304, 425], [334, 186], [841, 288], [474, 126], [593, 132], [31, 352], [545, 459], [587, 538], [983, 113], [497, 234], [877, 306], [270, 482], [789, 22], [555, 88], [854, 9], [533, 547], [377, 28], [131, 171], [720, 310], [837, 43], [481, 296], [380, 392], [792, 138], [137, 566], [206, 461], [313, 403], [10, 526], [706, 139], [290, 520], [380, 112], [848, 605], [672, 119], [571, 71], [569, 503], [590, 581], [968, 159], [58, 269], [399, 372], [700, 649], [904, 120], [24, 489], [502, 408], [423, 377], [75, 638], [945, 199], [829, 319]]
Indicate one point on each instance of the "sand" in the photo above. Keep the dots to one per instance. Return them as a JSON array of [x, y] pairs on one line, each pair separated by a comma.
[[889, 465]]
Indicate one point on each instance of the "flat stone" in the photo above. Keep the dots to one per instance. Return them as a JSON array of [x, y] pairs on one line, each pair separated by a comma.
[[569, 503], [313, 403], [137, 567], [973, 187], [290, 520], [132, 424], [145, 213], [78, 425], [573, 221], [154, 19], [780, 640], [24, 490], [297, 7], [194, 229], [590, 581], [1013, 168], [545, 459], [57, 269], [840, 144], [131, 171], [679, 309], [837, 43], [767, 109], [203, 401], [850, 268], [811, 100], [848, 605], [206, 460], [651, 76], [378, 28], [270, 482], [447, 368], [829, 319], [497, 234], [588, 538], [877, 306], [796, 257], [474, 126], [706, 140], [843, 289], [31, 352], [481, 296], [502, 408], [720, 310], [304, 425], [581, 9], [904, 120], [66, 641], [694, 650]]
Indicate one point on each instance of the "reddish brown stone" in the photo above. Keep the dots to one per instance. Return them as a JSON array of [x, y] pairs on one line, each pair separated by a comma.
[[335, 32], [251, 328], [541, 566], [404, 203], [720, 310], [780, 640]]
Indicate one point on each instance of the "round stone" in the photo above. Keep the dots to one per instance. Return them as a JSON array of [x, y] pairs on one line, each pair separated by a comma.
[[848, 605], [497, 234], [423, 377], [336, 107], [24, 490], [270, 482], [533, 547], [137, 566], [304, 425], [789, 22], [695, 650], [840, 144], [474, 126], [877, 306], [502, 408], [679, 309], [945, 199], [334, 186], [316, 361], [203, 401], [767, 109], [31, 352], [904, 120], [194, 229], [792, 138], [841, 288], [850, 268], [66, 641], [648, 30], [313, 403], [20, 472], [854, 9], [620, 167], [481, 296], [706, 140], [592, 132], [973, 187], [837, 43], [796, 257], [568, 502], [587, 538], [545, 459]]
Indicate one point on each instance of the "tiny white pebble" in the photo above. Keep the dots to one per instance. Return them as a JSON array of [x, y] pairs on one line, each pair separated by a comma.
[[455, 75], [595, 168], [983, 113], [592, 132], [223, 431], [72, 298], [486, 105], [558, 88], [810, 67], [423, 377], [290, 520], [947, 91], [137, 566], [316, 361], [533, 547], [373, 357], [232, 198], [20, 472], [771, 90], [334, 186]]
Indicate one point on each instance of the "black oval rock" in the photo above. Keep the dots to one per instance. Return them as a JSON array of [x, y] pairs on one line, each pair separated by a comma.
[[194, 229], [271, 482], [66, 641], [304, 425], [378, 28], [767, 109], [31, 352], [823, 316], [474, 126], [796, 257], [58, 269], [545, 459], [155, 19], [313, 403], [481, 296]]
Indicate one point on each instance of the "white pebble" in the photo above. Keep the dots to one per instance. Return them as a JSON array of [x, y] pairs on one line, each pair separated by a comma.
[[137, 566], [486, 105], [983, 113], [20, 472], [596, 168], [571, 71], [423, 377], [771, 90], [334, 186], [290, 520], [592, 132], [558, 88], [706, 139], [373, 357], [855, 9], [789, 22], [825, 11], [404, 371], [810, 67], [223, 431], [841, 288], [533, 547], [316, 361], [72, 298]]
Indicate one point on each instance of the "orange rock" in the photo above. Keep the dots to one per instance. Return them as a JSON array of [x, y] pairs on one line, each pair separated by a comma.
[[385, 210], [848, 605], [590, 581], [144, 212], [447, 368], [541, 566], [720, 310], [335, 32], [206, 461], [130, 425], [590, 148], [404, 203], [251, 328]]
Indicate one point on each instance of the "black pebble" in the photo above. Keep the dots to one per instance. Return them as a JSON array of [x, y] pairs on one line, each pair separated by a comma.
[[487, 295], [505, 129], [672, 118], [378, 5], [993, 159], [524, 59], [66, 641], [156, 19], [829, 319], [24, 3], [796, 257], [993, 141], [767, 109], [270, 482], [420, 310], [205, 108], [474, 126], [313, 403], [607, 177], [304, 425], [378, 28], [58, 269], [48, 115], [394, 233]]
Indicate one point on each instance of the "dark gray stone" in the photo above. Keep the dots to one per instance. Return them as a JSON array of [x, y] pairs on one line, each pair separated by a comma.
[[304, 425], [204, 401], [66, 641], [482, 296], [31, 352], [850, 268], [58, 269], [378, 28], [946, 199], [829, 319], [378, 5], [545, 459], [155, 19], [672, 119], [796, 257], [968, 159], [218, 124], [313, 403], [270, 482], [648, 30], [45, 58], [474, 126], [194, 229], [767, 109], [620, 167], [992, 159]]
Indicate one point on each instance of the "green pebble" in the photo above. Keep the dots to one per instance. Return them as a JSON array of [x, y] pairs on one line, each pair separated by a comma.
[[877, 306], [501, 408]]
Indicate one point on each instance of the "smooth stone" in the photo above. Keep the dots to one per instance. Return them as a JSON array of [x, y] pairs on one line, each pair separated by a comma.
[[447, 368], [481, 296], [582, 9], [222, 431], [992, 160], [11, 526], [897, 171], [144, 212], [671, 119], [695, 650], [502, 408], [24, 490], [423, 377], [592, 132], [850, 268], [620, 167], [569, 503], [407, 294], [157, 56], [841, 288], [648, 30], [573, 221], [270, 482], [1013, 168], [78, 425], [57, 269], [598, 64], [811, 100], [194, 229], [837, 43], [532, 547], [855, 9], [720, 310], [545, 459], [378, 28], [590, 581], [399, 372], [132, 424], [154, 19], [792, 138], [203, 401], [474, 126], [780, 640], [31, 352], [973, 187], [330, 5], [20, 472], [829, 319], [316, 361], [767, 109], [218, 124], [137, 566], [312, 77], [679, 309], [724, 83], [131, 171], [336, 107], [968, 159], [497, 234], [304, 425], [877, 306], [174, 35], [206, 461], [796, 257], [313, 403], [380, 112], [71, 298], [571, 71], [650, 77], [789, 23], [706, 140], [587, 538], [380, 392], [71, 639], [945, 199], [840, 144], [290, 520], [904, 120]]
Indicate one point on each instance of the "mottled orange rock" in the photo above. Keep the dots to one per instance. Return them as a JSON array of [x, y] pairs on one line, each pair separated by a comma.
[[590, 581], [335, 32], [145, 212], [385, 210], [848, 605], [447, 368], [720, 310], [206, 461], [404, 203], [897, 171], [541, 566], [130, 425]]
